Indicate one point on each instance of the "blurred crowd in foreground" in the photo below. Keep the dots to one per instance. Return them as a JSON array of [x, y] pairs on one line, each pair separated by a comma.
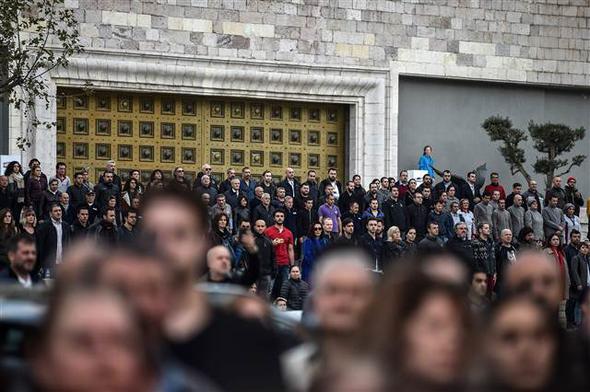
[[129, 318]]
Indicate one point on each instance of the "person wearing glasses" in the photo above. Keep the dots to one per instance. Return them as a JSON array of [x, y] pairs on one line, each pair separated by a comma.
[[178, 179], [205, 170], [312, 246]]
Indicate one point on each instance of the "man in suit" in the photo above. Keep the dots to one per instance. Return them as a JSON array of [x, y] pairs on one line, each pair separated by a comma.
[[233, 194], [52, 237], [22, 257], [290, 184], [470, 191]]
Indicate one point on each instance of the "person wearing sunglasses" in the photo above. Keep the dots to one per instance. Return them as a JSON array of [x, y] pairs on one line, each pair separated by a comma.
[[315, 242]]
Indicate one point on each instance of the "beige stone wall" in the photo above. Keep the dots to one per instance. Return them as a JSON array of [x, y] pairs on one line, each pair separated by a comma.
[[545, 41]]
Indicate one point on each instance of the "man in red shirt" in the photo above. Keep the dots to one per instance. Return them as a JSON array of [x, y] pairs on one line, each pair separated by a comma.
[[282, 240], [495, 186]]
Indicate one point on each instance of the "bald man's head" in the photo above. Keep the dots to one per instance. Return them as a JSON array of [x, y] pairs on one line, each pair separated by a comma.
[[536, 274], [218, 262]]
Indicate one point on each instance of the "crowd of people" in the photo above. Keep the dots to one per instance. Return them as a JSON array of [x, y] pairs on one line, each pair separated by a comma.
[[414, 285]]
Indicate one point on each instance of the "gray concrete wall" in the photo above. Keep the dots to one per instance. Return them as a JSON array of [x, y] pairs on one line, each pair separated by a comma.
[[448, 116]]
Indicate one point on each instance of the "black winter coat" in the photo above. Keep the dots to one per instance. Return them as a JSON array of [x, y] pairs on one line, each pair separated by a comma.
[[395, 214], [417, 217], [579, 275], [266, 256], [462, 248], [295, 292]]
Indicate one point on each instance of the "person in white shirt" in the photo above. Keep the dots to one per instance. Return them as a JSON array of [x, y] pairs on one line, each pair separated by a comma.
[[60, 175]]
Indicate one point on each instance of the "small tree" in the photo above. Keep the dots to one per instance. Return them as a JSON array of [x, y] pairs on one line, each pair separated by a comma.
[[36, 36], [500, 129], [552, 140]]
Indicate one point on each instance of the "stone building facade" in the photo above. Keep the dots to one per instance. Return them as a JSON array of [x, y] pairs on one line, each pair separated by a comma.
[[350, 52]]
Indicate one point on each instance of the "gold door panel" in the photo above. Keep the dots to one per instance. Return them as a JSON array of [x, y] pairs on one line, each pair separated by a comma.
[[160, 131]]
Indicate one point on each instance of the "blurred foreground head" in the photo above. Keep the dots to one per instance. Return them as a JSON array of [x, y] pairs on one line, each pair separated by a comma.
[[535, 274], [142, 275], [176, 222], [521, 345], [419, 327], [343, 288], [90, 341]]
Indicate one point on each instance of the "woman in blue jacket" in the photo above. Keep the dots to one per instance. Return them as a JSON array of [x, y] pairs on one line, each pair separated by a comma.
[[426, 162], [312, 246]]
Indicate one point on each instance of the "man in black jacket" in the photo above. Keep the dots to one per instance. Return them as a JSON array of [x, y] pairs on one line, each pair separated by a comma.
[[22, 257], [220, 269], [77, 190], [348, 196], [92, 207], [295, 290], [264, 211], [266, 258], [105, 189], [52, 237], [484, 254], [579, 282], [356, 216], [232, 195], [290, 183], [460, 245], [432, 241], [470, 191], [331, 180], [6, 197], [417, 216], [394, 211], [106, 229], [372, 243], [305, 218], [79, 229], [442, 186]]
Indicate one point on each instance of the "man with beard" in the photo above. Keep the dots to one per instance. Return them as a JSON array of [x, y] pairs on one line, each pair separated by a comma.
[[331, 180], [22, 257], [106, 229]]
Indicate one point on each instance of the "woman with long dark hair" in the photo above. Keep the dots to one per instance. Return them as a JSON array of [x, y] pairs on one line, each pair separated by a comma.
[[220, 234], [522, 348], [242, 211], [156, 179], [16, 186], [554, 248], [312, 246], [130, 191], [420, 328], [36, 185], [8, 231]]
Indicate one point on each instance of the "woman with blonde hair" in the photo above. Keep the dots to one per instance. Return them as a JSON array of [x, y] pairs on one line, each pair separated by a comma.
[[394, 247], [28, 222]]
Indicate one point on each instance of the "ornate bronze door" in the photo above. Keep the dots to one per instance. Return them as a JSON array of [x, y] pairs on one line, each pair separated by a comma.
[[161, 131]]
